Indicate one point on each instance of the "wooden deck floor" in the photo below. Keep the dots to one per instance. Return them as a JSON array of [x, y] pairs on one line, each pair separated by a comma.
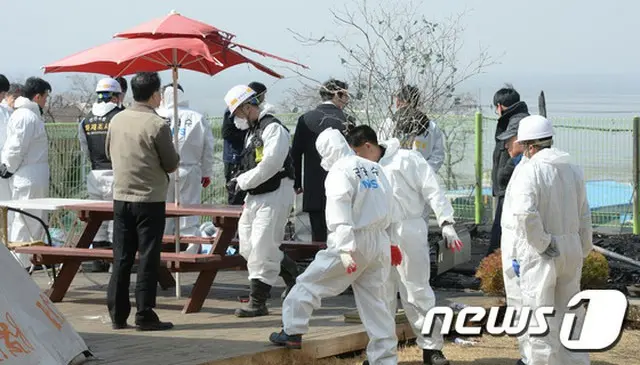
[[210, 336]]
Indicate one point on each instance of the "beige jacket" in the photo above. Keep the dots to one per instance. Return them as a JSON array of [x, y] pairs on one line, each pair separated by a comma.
[[142, 153]]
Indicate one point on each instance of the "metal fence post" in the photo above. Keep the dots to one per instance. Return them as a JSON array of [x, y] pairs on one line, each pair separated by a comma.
[[636, 175], [478, 183]]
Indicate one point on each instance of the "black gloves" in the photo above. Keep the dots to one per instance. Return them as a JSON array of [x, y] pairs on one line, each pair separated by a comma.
[[233, 187], [4, 172]]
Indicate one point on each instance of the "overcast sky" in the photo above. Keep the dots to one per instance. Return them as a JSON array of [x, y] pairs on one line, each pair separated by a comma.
[[567, 46]]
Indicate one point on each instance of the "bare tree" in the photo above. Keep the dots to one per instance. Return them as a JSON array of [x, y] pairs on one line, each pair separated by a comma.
[[384, 47], [301, 99], [74, 103]]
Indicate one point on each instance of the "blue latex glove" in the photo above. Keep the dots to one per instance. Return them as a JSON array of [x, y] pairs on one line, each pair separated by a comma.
[[516, 267]]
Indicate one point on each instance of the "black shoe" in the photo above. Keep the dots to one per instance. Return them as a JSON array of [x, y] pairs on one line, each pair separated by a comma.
[[119, 326], [149, 321], [257, 305], [434, 357], [154, 326], [289, 273], [288, 341], [520, 362]]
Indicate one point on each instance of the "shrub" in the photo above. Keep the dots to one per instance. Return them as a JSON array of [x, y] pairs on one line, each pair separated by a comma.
[[595, 272], [490, 274]]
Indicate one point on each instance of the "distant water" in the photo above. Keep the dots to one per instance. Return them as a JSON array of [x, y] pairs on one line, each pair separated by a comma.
[[587, 105]]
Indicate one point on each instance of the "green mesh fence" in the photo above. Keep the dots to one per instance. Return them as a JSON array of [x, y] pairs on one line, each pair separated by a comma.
[[603, 147]]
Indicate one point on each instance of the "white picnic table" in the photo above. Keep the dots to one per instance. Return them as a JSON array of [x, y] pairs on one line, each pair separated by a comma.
[[49, 204]]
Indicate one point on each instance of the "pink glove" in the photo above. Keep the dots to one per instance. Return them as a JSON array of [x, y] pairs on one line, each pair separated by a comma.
[[396, 255], [205, 181], [451, 238], [348, 262]]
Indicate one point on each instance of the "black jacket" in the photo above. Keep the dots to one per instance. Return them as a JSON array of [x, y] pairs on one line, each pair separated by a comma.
[[502, 170], [233, 140], [309, 126]]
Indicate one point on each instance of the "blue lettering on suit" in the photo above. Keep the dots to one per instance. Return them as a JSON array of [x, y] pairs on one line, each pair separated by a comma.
[[369, 184]]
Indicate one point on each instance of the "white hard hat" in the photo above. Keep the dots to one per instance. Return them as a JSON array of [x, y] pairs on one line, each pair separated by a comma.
[[534, 127], [238, 95], [108, 85]]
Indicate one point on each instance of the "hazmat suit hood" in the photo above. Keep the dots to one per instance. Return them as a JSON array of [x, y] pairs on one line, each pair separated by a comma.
[[22, 102], [391, 147], [551, 156], [101, 109], [266, 108], [332, 146]]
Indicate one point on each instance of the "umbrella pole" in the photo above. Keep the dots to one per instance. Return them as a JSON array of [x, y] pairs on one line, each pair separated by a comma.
[[176, 131]]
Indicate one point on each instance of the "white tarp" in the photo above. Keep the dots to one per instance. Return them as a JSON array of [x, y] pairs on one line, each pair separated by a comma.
[[32, 330]]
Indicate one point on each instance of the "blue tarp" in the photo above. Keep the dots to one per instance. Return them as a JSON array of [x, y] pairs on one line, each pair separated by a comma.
[[607, 193]]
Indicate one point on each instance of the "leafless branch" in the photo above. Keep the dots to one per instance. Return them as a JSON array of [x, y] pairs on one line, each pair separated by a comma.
[[385, 47]]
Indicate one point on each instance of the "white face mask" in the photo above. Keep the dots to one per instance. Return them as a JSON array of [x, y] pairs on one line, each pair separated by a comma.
[[240, 123]]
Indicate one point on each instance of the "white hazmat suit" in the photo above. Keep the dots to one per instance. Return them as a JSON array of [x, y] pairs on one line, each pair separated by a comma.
[[414, 185], [26, 155], [546, 202], [196, 160], [5, 114], [359, 213], [261, 226], [99, 182]]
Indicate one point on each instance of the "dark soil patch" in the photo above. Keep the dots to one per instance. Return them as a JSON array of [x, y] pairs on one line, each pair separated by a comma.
[[624, 244]]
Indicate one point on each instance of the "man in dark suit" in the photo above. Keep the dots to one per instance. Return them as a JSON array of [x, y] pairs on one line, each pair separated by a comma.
[[329, 114]]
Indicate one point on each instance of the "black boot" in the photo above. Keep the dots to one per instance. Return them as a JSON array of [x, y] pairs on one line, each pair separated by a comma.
[[289, 273], [434, 357], [283, 339], [257, 300]]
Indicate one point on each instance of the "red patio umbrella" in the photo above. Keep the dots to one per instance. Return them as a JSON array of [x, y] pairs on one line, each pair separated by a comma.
[[177, 25], [174, 25], [128, 56]]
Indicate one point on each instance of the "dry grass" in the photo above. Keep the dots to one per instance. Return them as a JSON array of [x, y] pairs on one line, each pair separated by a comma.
[[488, 351]]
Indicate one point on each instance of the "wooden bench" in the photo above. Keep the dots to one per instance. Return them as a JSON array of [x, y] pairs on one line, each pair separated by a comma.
[[297, 250], [179, 262]]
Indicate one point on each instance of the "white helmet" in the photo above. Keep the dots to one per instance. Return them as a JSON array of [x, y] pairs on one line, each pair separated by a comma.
[[108, 85], [238, 95], [534, 127]]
